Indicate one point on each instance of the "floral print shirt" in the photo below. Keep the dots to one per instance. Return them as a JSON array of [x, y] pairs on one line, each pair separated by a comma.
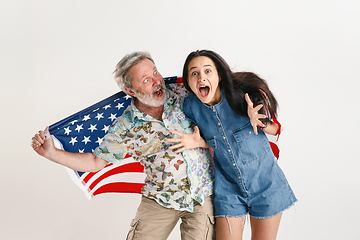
[[173, 180]]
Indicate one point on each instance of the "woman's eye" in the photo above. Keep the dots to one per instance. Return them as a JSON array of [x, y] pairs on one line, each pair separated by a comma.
[[207, 71], [146, 80], [193, 73]]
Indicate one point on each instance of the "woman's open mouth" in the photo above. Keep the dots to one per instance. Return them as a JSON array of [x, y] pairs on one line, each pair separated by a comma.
[[204, 91]]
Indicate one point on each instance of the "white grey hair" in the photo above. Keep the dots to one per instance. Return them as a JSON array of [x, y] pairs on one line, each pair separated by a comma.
[[122, 76]]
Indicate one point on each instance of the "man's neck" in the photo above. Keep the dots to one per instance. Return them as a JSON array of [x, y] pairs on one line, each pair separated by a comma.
[[155, 112]]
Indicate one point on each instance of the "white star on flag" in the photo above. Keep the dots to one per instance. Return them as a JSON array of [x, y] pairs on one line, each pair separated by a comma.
[[86, 139], [100, 140], [87, 117], [92, 127], [72, 123], [67, 130], [79, 127], [120, 105], [112, 117], [106, 128], [73, 140], [107, 106], [127, 97], [99, 116]]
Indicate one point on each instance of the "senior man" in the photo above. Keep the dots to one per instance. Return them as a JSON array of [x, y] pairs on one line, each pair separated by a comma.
[[178, 185]]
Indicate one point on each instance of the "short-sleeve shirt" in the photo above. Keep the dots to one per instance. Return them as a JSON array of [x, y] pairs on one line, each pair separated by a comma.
[[173, 180]]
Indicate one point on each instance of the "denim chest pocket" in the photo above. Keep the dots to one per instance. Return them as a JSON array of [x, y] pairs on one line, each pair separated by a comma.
[[251, 146]]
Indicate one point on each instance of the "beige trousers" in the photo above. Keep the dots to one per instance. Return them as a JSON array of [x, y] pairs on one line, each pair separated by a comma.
[[154, 222]]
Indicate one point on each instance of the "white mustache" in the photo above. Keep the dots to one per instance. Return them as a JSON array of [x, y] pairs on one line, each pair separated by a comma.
[[157, 88]]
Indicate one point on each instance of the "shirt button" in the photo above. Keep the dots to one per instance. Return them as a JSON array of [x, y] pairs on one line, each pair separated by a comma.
[[213, 110], [234, 164], [239, 177], [224, 137], [219, 124], [229, 150]]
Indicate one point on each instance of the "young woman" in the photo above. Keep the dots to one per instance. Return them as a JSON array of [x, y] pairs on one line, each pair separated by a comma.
[[248, 179]]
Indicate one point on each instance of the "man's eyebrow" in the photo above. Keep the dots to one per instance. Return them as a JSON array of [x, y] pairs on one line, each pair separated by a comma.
[[155, 69], [145, 75]]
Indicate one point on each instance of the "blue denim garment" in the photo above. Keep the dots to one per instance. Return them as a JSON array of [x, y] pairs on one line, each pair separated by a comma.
[[247, 176]]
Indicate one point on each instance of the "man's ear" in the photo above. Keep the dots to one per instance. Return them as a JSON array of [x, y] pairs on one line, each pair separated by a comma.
[[131, 92]]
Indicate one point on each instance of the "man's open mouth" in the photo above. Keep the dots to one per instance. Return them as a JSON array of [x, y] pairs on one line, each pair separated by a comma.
[[158, 92]]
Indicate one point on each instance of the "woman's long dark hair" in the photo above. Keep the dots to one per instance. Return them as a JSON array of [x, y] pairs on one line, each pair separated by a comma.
[[236, 84]]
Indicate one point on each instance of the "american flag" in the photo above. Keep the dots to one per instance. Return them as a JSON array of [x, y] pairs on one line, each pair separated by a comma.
[[84, 131]]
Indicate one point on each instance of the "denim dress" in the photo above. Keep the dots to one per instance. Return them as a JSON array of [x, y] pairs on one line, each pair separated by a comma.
[[248, 179]]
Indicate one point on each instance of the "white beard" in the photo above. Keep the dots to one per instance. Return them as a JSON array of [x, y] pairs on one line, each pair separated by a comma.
[[149, 99]]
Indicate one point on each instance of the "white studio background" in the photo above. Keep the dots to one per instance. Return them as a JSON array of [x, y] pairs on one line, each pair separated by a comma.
[[57, 57]]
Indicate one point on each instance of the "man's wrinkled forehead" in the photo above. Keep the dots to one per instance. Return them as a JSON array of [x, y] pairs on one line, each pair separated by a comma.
[[142, 69]]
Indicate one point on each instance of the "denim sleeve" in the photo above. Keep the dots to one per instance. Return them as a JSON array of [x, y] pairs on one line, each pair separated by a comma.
[[187, 109]]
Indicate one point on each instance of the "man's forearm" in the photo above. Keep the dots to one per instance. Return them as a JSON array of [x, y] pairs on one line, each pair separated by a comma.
[[84, 162]]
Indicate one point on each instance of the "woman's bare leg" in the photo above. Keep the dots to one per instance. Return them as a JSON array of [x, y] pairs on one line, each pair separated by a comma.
[[265, 229], [229, 228]]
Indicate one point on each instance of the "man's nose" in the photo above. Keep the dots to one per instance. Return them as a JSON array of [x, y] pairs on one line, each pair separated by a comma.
[[156, 81]]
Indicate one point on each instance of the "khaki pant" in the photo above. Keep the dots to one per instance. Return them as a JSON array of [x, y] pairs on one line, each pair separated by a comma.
[[154, 222]]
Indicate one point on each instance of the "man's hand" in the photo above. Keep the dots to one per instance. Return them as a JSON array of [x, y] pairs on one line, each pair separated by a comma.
[[187, 140], [43, 144]]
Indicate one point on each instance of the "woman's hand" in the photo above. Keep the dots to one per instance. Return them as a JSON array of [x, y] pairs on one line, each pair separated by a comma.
[[187, 140], [254, 115]]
